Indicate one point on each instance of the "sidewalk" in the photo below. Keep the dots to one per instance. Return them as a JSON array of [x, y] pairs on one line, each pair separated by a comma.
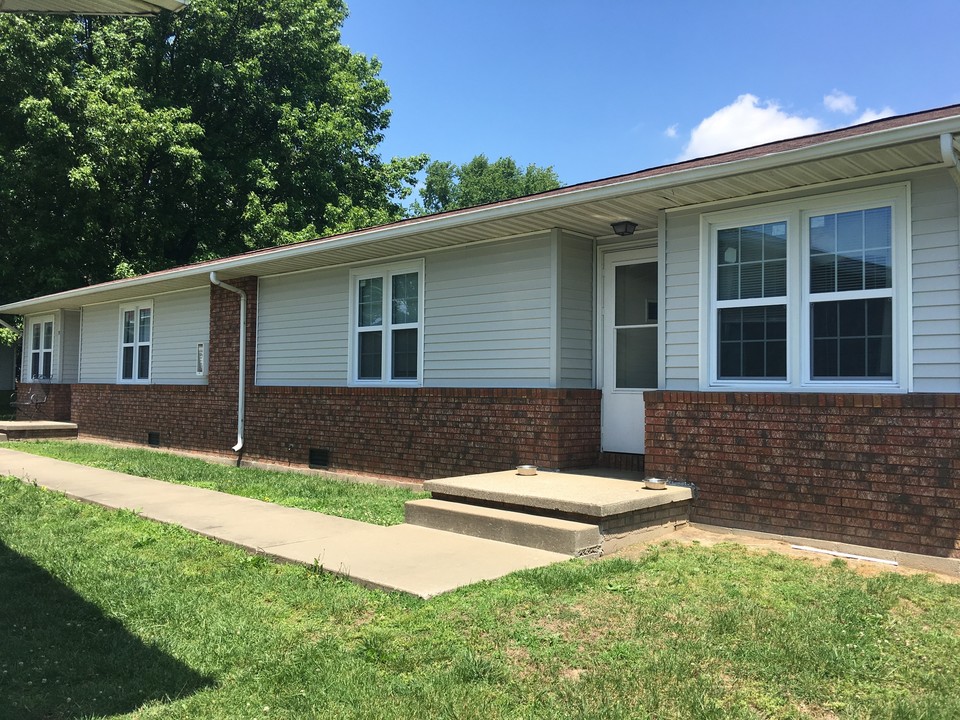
[[407, 558]]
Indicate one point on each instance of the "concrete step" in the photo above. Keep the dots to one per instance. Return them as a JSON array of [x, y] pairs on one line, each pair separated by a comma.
[[37, 429], [544, 533]]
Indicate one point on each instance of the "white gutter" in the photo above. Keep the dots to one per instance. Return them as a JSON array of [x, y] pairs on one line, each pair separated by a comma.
[[243, 355], [568, 197], [8, 326], [950, 157]]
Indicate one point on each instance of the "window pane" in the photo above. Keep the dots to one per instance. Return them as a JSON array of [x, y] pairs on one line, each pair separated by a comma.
[[405, 298], [635, 294], [143, 362], [128, 326], [751, 261], [404, 354], [144, 334], [636, 357], [34, 364], [126, 365], [47, 364], [370, 356], [370, 302], [753, 343], [35, 340], [860, 257], [47, 335], [853, 339]]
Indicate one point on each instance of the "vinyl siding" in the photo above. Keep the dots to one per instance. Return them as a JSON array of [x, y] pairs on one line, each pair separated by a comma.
[[99, 343], [69, 346], [936, 284], [303, 322], [576, 303], [682, 298], [488, 315], [180, 321]]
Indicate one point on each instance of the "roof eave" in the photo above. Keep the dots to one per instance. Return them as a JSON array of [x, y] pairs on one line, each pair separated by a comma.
[[567, 196]]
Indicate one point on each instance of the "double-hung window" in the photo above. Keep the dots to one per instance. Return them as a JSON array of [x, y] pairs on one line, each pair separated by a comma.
[[136, 336], [41, 349], [812, 293], [386, 338]]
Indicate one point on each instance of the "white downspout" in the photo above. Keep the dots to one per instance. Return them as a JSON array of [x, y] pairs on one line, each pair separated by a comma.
[[243, 355]]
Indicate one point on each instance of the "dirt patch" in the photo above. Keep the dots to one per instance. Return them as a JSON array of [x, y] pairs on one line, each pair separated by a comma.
[[690, 535]]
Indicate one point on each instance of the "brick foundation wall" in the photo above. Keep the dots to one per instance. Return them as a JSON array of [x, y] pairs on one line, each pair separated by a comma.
[[43, 401], [876, 470]]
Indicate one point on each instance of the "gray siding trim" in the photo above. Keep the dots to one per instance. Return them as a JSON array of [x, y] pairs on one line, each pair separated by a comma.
[[936, 283], [488, 314], [302, 328], [681, 314], [576, 310]]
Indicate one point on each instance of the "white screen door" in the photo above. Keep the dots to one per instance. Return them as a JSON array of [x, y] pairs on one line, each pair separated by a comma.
[[629, 319]]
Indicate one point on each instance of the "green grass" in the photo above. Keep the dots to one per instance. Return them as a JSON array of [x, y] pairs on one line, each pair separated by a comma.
[[357, 501], [105, 614]]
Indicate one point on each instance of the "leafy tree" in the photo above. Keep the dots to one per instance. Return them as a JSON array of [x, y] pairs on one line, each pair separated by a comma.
[[129, 145], [448, 186]]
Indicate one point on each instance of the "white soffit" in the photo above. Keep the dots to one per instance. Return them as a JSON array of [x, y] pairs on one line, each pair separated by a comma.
[[90, 7]]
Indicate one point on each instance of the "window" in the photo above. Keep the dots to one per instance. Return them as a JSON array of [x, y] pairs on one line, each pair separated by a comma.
[[41, 349], [386, 311], [810, 293], [136, 332]]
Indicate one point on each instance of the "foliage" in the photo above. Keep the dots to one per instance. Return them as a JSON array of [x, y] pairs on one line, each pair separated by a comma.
[[448, 186], [356, 501], [133, 144], [684, 633]]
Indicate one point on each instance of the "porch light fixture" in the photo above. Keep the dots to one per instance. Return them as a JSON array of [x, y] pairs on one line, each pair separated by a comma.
[[623, 227]]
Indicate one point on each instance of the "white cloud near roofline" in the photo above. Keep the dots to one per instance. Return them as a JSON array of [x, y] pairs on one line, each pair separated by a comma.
[[748, 121]]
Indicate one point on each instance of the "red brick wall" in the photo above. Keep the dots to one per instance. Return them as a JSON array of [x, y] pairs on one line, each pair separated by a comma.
[[876, 470], [43, 401]]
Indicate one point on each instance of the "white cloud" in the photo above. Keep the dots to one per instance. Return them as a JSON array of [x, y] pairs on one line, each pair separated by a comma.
[[870, 114], [839, 101], [744, 123], [671, 132]]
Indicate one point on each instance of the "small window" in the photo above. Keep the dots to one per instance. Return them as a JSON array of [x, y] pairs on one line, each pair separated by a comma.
[[387, 334], [41, 349], [136, 337]]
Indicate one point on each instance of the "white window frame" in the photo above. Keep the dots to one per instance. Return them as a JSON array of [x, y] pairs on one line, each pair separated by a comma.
[[386, 272], [136, 344], [796, 213], [40, 321]]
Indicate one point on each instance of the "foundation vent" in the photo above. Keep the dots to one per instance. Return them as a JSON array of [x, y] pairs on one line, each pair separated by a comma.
[[318, 458], [153, 439]]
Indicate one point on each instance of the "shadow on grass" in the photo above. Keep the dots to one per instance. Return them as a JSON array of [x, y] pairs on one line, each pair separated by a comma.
[[61, 657]]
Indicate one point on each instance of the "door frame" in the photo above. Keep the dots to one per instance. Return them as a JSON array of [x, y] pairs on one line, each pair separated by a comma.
[[655, 248]]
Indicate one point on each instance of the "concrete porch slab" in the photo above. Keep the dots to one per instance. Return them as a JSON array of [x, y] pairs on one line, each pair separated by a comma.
[[569, 494], [36, 429]]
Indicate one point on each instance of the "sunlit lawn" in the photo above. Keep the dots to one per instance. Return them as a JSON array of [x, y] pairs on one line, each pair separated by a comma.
[[103, 613]]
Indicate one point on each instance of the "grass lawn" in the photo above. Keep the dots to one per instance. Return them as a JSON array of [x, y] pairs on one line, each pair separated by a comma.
[[356, 501], [106, 614]]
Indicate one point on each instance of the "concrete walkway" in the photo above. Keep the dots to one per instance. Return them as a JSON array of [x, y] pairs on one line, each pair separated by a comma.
[[411, 559]]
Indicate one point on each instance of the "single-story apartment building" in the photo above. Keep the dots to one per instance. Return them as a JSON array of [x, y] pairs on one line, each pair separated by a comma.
[[779, 326]]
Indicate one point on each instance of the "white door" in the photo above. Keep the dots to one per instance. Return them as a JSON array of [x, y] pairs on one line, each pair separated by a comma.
[[629, 320]]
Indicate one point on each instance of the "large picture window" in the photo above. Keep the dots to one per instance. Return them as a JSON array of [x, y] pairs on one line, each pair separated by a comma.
[[387, 311], [136, 333], [810, 293]]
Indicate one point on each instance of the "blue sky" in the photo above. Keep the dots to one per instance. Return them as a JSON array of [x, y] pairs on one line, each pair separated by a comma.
[[607, 87]]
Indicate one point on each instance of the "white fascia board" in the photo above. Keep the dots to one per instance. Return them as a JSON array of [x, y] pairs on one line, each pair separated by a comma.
[[507, 209]]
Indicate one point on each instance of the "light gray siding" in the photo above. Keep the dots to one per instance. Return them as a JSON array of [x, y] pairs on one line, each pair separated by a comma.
[[69, 333], [682, 298], [936, 284], [488, 315], [576, 303], [180, 321], [303, 325], [99, 343]]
